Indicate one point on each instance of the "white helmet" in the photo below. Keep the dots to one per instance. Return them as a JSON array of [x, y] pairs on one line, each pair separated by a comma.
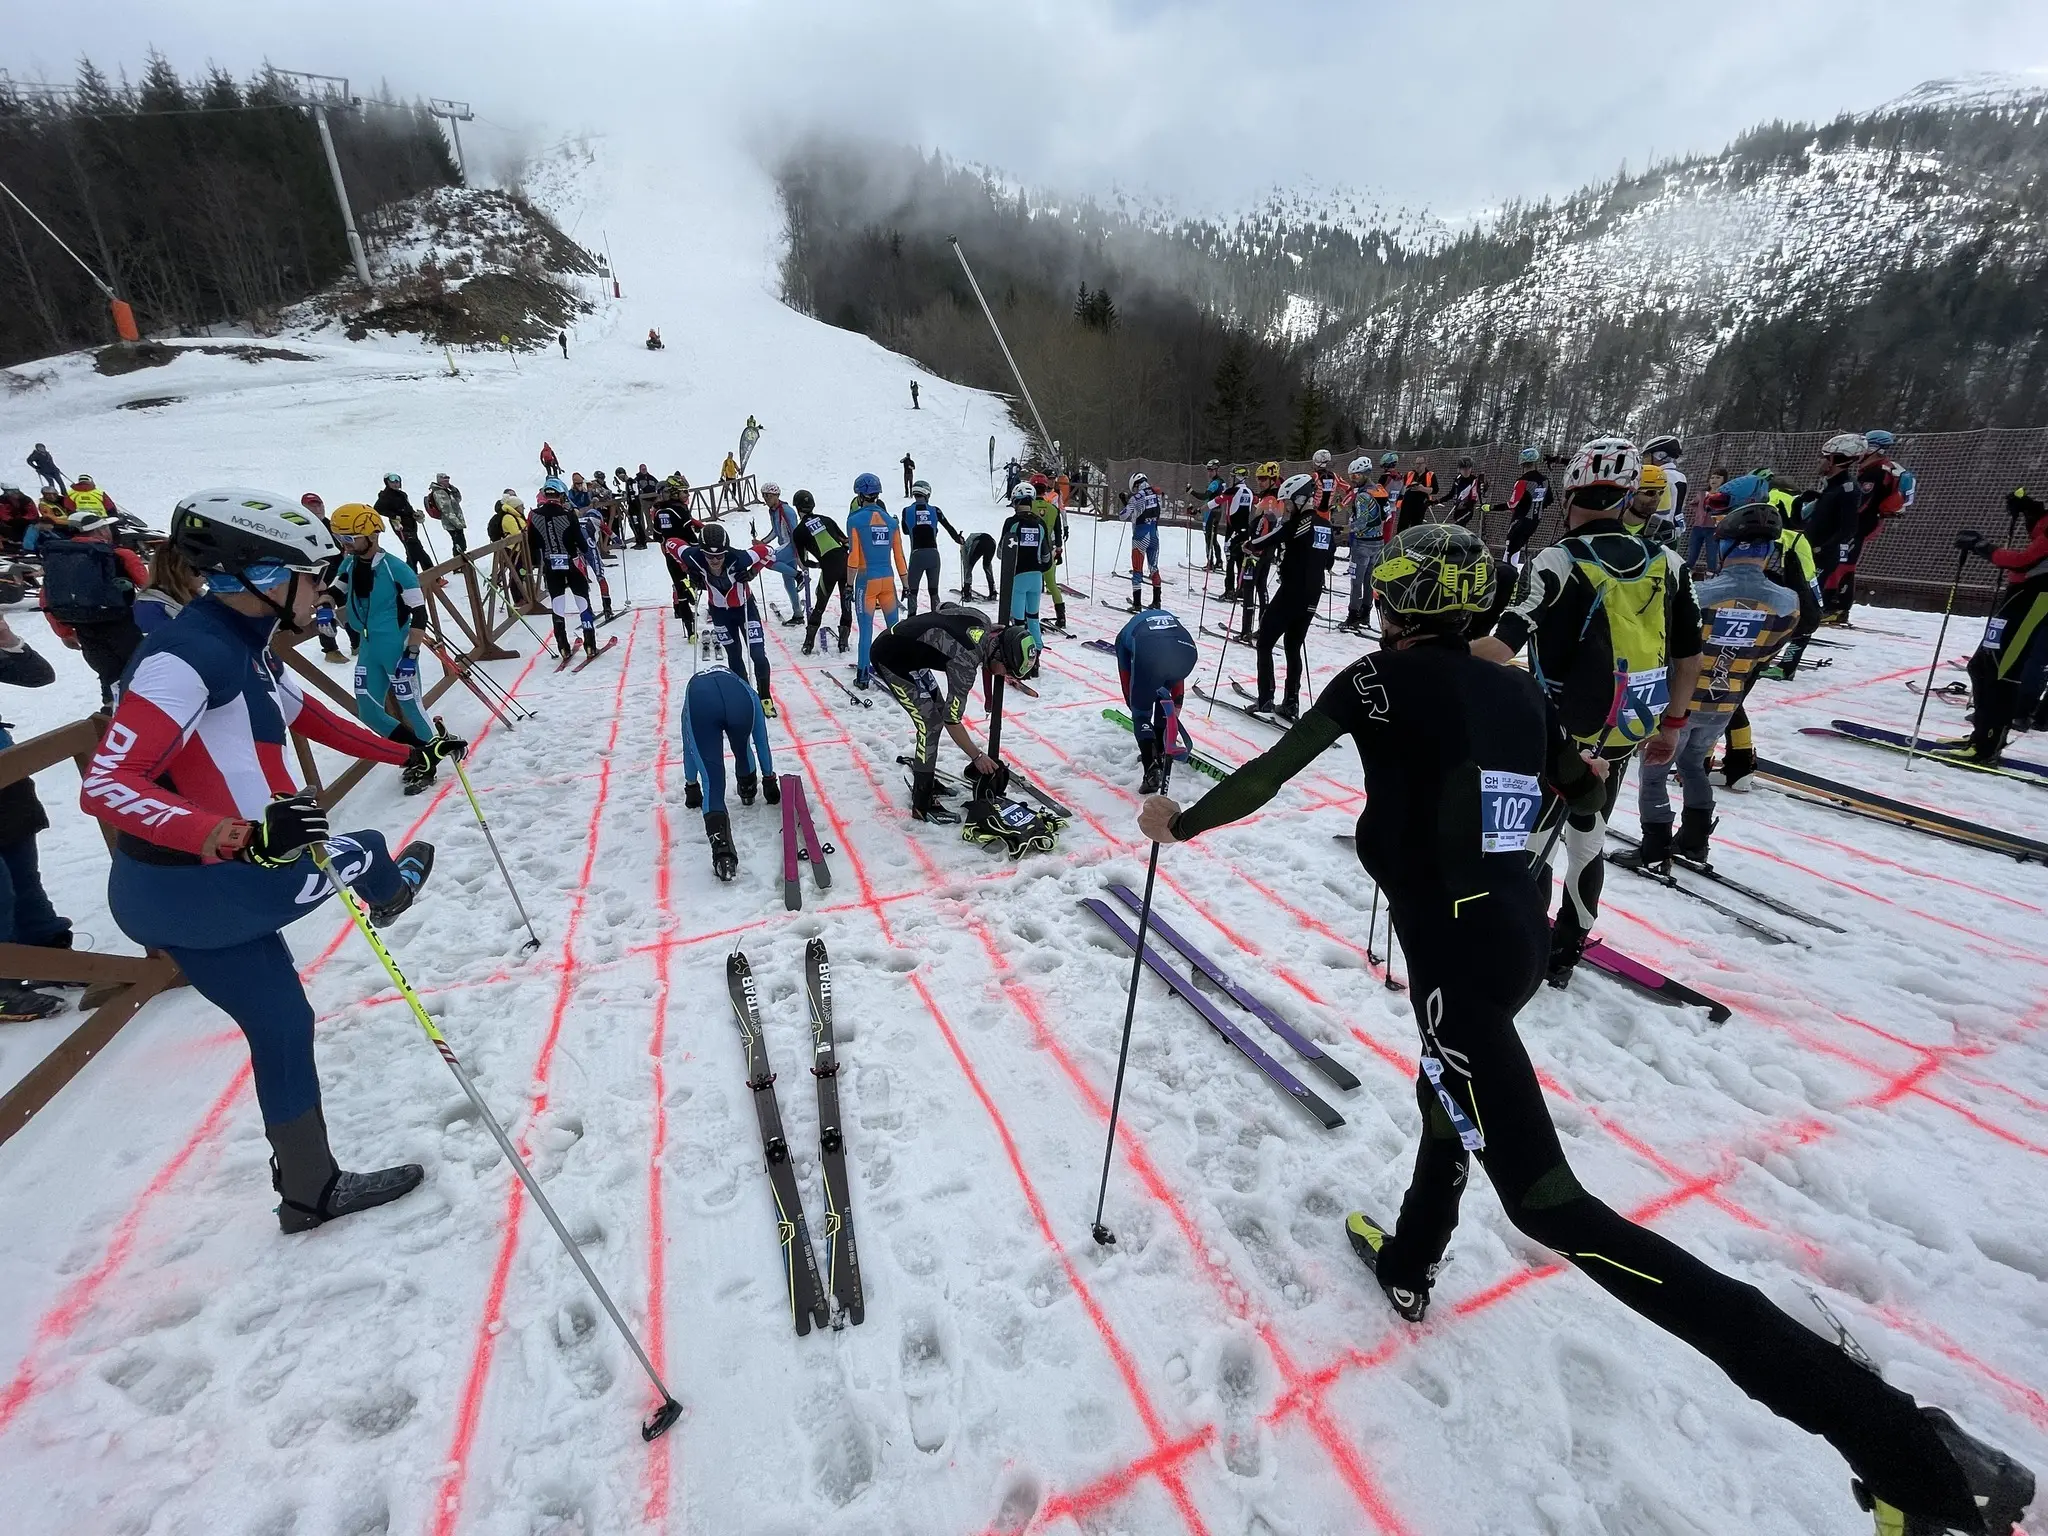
[[768, 487], [230, 531], [1322, 458], [1605, 461], [1138, 480], [1298, 489], [1362, 465], [1846, 445]]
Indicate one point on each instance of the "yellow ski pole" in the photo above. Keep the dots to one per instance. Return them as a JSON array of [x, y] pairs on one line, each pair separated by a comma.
[[670, 1410], [533, 939]]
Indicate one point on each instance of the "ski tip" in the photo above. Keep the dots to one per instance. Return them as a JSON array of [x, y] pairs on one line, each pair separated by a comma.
[[815, 950], [662, 1419]]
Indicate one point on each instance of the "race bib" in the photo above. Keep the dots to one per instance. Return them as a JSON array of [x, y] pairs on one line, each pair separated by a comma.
[[1507, 810], [1322, 536], [558, 562], [1027, 538], [1994, 634], [1641, 706], [1469, 1135], [1737, 626]]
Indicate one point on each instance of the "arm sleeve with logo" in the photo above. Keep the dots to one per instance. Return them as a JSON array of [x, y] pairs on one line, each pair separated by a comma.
[[1259, 780]]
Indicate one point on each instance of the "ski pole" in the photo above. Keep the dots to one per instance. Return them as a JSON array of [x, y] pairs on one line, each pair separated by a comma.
[[461, 773], [1947, 608], [670, 1410], [462, 674], [1102, 1234], [496, 689], [1222, 652]]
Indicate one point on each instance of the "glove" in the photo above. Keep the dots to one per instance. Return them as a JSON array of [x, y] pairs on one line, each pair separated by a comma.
[[290, 824], [1971, 542], [441, 746], [990, 786]]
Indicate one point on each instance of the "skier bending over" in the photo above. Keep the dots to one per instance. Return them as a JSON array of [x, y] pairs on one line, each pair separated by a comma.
[[958, 643], [980, 549], [385, 613], [923, 520], [555, 540], [1154, 655], [208, 861], [1454, 749], [722, 574], [719, 708]]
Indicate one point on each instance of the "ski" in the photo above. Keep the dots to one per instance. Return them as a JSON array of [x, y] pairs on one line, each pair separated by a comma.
[[1285, 1080], [1067, 591], [1017, 782], [799, 1263], [1224, 634], [812, 852], [792, 887], [1190, 756], [1709, 872], [1106, 647], [1902, 813], [842, 1256], [1956, 693], [590, 656], [1649, 981], [861, 699], [1935, 750], [1671, 882], [1316, 1056]]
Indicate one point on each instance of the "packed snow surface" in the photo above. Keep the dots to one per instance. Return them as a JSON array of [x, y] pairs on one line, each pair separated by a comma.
[[1868, 1125]]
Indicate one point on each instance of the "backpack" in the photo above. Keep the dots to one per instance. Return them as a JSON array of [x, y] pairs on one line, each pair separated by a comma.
[[1634, 606], [82, 581]]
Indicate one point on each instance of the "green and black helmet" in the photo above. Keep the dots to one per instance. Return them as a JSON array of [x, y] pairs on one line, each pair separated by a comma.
[[1436, 577]]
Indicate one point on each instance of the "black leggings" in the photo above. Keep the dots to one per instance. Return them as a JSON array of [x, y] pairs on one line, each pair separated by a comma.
[[1286, 618], [831, 574], [1466, 1014], [980, 550]]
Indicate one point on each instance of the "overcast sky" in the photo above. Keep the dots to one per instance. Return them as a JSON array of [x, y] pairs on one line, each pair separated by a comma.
[[1452, 104]]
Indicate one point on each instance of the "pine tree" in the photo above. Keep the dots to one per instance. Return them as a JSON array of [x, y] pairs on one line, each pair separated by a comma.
[[1235, 404], [1311, 421]]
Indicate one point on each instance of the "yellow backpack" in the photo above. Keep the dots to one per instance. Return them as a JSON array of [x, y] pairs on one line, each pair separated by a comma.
[[1636, 635]]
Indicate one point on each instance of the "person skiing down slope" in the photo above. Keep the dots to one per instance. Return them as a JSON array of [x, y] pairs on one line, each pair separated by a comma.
[[555, 538], [1154, 655], [958, 643], [386, 616], [923, 521], [1613, 631], [1454, 749], [874, 565], [723, 574], [211, 831], [822, 543], [719, 708]]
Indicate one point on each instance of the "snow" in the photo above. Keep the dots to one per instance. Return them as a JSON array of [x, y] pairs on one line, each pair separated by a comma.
[[1866, 1124]]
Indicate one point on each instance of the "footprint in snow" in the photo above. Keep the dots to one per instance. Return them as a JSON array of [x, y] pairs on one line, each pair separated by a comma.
[[926, 1376], [1019, 1503]]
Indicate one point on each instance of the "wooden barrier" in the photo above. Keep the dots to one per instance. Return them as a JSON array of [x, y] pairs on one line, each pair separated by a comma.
[[118, 985]]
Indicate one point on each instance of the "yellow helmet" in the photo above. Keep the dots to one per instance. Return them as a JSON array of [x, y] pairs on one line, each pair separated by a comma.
[[1652, 478], [1269, 470], [354, 520]]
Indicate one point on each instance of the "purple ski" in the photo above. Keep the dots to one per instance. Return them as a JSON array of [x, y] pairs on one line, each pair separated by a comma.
[[792, 887], [813, 850]]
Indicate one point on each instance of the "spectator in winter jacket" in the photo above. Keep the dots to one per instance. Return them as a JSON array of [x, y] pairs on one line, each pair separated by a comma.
[[40, 461], [444, 503], [87, 499], [18, 514], [89, 587], [26, 916], [548, 461], [397, 510], [172, 584], [729, 483], [508, 517]]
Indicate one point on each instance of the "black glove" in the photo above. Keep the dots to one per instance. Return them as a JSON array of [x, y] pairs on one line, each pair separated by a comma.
[[1971, 542], [441, 746], [290, 823], [990, 786]]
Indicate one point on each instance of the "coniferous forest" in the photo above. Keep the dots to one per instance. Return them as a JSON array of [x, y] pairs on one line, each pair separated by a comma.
[[204, 201]]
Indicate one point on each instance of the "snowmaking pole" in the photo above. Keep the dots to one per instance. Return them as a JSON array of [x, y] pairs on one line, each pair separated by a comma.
[[314, 97], [1016, 373]]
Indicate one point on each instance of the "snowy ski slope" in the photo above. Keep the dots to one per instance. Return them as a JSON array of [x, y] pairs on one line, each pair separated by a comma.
[[1868, 1124]]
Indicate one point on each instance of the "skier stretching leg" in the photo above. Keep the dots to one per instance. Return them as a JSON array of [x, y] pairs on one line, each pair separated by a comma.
[[1460, 745], [210, 855]]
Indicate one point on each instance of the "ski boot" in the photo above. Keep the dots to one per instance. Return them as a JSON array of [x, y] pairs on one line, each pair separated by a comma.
[[810, 645], [417, 776], [1154, 781], [860, 678], [725, 858], [1695, 831], [1984, 751], [1738, 768], [1137, 603], [771, 789], [20, 1002], [750, 786], [1367, 1239], [415, 862], [1059, 618], [792, 621], [1155, 594], [2001, 1487], [608, 614], [1261, 706], [590, 645], [1289, 709], [844, 631], [924, 801], [312, 1190], [1567, 943], [693, 796], [1654, 852]]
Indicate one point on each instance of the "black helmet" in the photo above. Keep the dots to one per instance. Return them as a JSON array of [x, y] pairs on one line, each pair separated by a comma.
[[1758, 522], [1017, 649], [1436, 577], [1667, 446], [2019, 504], [804, 501], [714, 539]]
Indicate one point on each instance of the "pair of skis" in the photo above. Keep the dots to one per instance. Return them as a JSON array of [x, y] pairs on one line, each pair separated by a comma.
[[837, 1299], [796, 817], [1707, 871], [1932, 748], [569, 663], [1184, 987], [1901, 813], [1190, 756]]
